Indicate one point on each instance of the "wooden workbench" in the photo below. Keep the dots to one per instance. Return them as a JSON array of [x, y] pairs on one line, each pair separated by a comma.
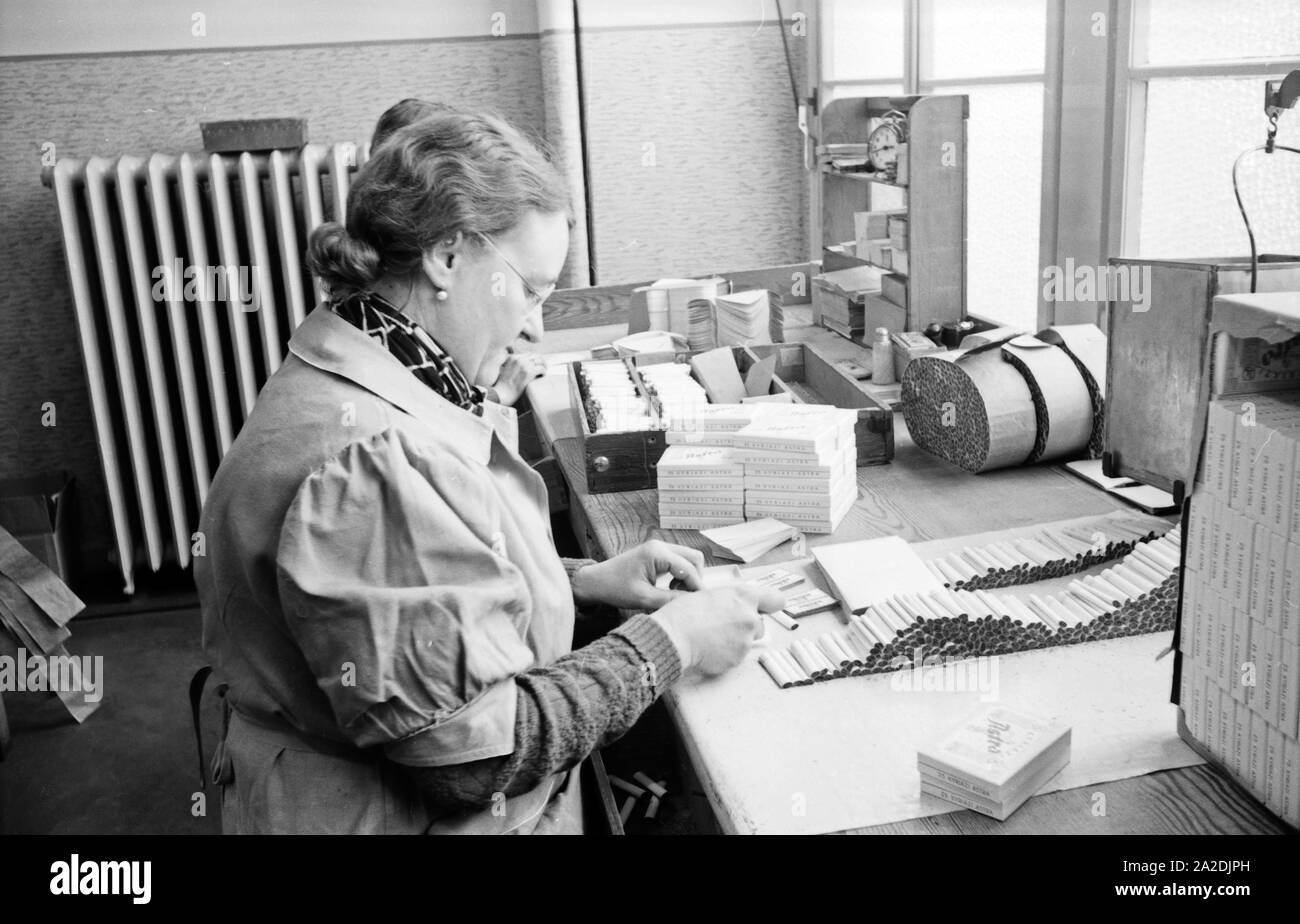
[[919, 497]]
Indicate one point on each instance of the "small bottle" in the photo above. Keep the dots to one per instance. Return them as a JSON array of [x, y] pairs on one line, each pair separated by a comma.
[[882, 358]]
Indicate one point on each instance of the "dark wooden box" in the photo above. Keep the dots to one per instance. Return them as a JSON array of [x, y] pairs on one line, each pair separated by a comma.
[[626, 461]]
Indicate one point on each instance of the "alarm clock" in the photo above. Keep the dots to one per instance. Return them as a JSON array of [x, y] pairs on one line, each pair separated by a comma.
[[883, 142]]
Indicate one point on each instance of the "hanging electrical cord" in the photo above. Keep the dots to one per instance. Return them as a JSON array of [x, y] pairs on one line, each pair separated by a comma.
[[1275, 101], [1236, 191], [794, 84]]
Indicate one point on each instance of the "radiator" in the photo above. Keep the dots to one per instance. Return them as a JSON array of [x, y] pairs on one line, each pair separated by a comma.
[[188, 277]]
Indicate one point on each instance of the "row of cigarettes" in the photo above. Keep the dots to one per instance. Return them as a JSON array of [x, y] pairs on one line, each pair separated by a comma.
[[678, 394], [1050, 553], [656, 790], [1140, 586], [611, 399]]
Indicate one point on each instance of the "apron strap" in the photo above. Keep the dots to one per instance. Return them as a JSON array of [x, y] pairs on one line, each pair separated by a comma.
[[197, 684]]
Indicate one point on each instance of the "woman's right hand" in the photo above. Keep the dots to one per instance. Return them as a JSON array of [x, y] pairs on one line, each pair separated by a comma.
[[714, 629]]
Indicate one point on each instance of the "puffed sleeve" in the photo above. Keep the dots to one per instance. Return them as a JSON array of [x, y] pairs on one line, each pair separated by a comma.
[[412, 625]]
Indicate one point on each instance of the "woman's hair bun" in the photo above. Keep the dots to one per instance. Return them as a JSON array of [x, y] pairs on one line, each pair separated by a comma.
[[340, 260]]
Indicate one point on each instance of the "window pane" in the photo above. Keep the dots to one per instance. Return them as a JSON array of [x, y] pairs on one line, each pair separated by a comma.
[[864, 39], [1195, 129], [1004, 166], [855, 90], [1184, 31], [989, 38]]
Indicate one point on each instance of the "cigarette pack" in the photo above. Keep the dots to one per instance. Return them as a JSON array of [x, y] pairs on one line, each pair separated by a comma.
[[1258, 753], [697, 522], [1243, 533], [1240, 739], [1291, 781], [949, 792], [1268, 677], [795, 486], [1273, 770], [1192, 698], [1227, 714], [699, 483], [1289, 611], [1289, 689], [698, 461], [1254, 692], [803, 502], [810, 601], [700, 499], [732, 512], [778, 579], [997, 751], [717, 417], [1274, 589], [1219, 429], [1239, 652], [1211, 739]]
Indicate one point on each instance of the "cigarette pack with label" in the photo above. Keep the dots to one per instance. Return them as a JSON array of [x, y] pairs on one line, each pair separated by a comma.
[[1289, 688], [1291, 781], [1289, 611], [793, 486], [1194, 705], [997, 750], [1223, 638], [698, 461], [701, 499], [1274, 769], [1189, 633], [1219, 428], [806, 502], [1257, 586], [1280, 456], [700, 483], [1257, 420], [697, 522], [1241, 548], [1227, 716], [807, 602], [1240, 653], [1267, 676], [717, 418], [1212, 710], [795, 472], [735, 512], [1275, 552], [1216, 534], [1258, 753], [1240, 760], [1255, 693], [942, 788]]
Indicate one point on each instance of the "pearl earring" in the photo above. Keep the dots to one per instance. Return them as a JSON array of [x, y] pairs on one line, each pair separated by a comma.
[[442, 295]]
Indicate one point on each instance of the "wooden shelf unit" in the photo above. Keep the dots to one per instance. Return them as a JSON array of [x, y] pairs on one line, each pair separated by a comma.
[[934, 196]]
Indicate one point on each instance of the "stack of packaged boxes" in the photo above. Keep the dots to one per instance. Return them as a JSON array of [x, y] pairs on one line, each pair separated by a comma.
[[1240, 632], [728, 463]]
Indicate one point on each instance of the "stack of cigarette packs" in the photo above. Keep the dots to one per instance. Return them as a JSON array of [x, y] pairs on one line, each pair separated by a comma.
[[1240, 629], [996, 760], [727, 463]]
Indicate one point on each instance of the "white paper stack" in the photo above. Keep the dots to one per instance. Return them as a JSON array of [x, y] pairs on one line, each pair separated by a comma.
[[700, 487], [746, 541], [742, 318], [668, 301]]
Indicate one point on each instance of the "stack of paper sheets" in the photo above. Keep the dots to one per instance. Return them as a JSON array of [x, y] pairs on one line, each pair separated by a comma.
[[742, 318], [746, 541], [668, 301]]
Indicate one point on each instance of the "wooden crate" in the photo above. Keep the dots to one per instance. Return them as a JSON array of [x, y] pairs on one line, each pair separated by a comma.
[[626, 461]]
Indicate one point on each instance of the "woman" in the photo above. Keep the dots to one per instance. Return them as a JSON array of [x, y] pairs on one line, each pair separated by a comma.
[[381, 592]]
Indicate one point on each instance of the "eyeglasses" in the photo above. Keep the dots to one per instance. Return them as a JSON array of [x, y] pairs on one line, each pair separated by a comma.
[[535, 297]]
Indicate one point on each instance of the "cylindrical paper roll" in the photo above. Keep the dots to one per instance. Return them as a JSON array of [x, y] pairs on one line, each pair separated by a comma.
[[1061, 400], [975, 412], [1085, 344]]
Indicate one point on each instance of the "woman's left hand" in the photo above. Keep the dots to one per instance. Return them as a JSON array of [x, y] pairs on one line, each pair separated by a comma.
[[628, 580]]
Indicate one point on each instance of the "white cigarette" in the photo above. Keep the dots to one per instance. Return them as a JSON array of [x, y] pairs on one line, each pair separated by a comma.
[[774, 670], [864, 633], [852, 640], [993, 603], [878, 627], [792, 667], [652, 808], [1091, 597], [932, 609], [620, 783], [1081, 615], [782, 619], [1054, 542], [831, 651], [626, 811], [1135, 575], [650, 784], [1105, 589], [1044, 612], [949, 575], [939, 600], [893, 608], [1161, 555], [957, 602], [1061, 612], [1113, 576], [1157, 564], [1034, 556], [999, 555], [809, 666], [1027, 616], [980, 558], [961, 565], [939, 576], [1144, 567]]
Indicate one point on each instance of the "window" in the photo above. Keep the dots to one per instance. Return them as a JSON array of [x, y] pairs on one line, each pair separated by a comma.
[[1195, 72], [994, 53]]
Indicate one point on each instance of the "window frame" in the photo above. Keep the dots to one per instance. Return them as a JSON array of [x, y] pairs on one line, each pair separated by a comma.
[[1127, 116]]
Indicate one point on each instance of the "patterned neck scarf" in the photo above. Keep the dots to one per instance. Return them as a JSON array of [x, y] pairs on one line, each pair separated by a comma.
[[412, 346]]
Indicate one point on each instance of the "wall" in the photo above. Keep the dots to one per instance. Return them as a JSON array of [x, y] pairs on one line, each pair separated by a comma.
[[695, 158], [107, 102]]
